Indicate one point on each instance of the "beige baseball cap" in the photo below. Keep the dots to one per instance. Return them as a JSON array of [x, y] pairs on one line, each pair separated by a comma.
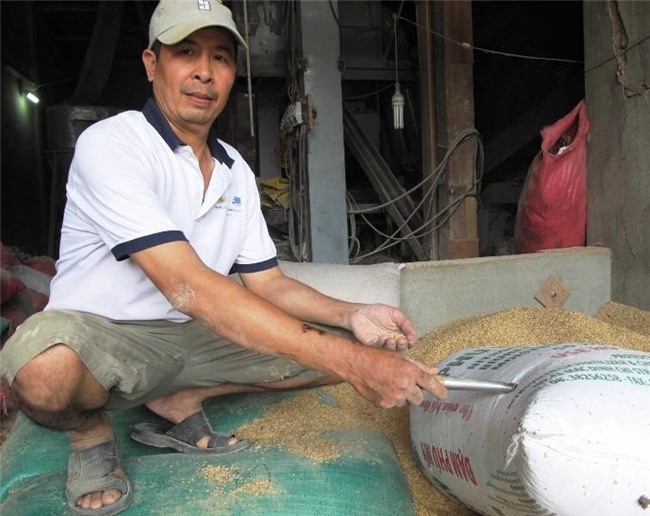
[[174, 20]]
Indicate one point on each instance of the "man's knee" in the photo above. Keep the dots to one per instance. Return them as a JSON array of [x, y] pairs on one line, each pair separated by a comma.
[[50, 380]]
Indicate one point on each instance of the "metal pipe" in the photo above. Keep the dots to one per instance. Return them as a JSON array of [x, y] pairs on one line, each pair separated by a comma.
[[248, 71], [469, 384]]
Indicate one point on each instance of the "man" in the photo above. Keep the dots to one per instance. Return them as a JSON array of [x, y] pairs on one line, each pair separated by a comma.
[[141, 309]]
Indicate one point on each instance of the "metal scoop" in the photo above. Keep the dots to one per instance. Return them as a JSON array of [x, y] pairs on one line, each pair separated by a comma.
[[468, 384]]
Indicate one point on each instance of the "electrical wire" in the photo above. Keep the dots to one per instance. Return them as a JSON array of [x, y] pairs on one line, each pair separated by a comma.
[[370, 94], [395, 18], [433, 222], [336, 18], [296, 153], [613, 57], [468, 46], [251, 117]]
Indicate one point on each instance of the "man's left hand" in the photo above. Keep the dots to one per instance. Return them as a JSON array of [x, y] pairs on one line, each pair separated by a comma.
[[384, 326]]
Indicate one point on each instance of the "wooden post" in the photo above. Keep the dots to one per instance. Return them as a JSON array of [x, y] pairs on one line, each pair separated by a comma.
[[458, 237], [427, 115]]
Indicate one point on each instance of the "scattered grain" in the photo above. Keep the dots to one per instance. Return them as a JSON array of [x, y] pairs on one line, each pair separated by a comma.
[[221, 479], [285, 423], [219, 474], [256, 487]]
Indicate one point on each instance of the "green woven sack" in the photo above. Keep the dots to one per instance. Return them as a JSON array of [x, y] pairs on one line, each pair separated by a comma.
[[366, 479]]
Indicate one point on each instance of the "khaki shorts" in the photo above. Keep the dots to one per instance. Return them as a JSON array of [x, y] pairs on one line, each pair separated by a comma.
[[137, 361]]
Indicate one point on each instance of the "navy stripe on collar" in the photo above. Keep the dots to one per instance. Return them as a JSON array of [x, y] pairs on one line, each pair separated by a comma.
[[154, 116]]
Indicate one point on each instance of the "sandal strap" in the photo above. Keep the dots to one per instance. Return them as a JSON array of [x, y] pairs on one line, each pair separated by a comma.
[[93, 470], [192, 428], [219, 440]]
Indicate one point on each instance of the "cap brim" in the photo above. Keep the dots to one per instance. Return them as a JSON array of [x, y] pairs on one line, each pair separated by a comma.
[[179, 32]]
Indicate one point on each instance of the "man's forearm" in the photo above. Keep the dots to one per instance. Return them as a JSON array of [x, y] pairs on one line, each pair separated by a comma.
[[237, 313], [305, 303]]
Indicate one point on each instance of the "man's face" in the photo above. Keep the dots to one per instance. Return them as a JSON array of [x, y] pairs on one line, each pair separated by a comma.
[[192, 79]]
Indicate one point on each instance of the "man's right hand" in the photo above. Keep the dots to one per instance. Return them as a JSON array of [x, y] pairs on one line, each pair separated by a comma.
[[388, 380]]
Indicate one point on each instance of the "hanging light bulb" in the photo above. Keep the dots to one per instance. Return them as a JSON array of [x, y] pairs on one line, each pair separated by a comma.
[[397, 99], [398, 108], [31, 96]]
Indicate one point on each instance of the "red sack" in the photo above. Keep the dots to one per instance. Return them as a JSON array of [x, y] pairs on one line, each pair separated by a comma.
[[12, 311], [43, 264], [552, 209], [19, 308], [7, 257], [32, 301]]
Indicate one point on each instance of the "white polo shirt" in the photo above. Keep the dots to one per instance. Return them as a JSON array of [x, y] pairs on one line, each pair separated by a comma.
[[133, 185]]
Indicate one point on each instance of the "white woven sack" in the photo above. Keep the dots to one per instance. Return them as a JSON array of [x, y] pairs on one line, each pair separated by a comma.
[[572, 439], [372, 283]]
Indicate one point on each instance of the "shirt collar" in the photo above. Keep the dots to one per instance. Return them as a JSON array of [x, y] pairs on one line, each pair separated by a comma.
[[154, 116]]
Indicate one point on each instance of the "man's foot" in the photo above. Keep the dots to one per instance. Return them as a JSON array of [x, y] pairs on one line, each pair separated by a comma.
[[96, 484], [193, 435], [180, 406]]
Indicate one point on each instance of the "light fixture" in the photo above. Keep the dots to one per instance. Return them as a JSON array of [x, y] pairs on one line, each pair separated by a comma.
[[31, 96], [25, 86], [398, 108]]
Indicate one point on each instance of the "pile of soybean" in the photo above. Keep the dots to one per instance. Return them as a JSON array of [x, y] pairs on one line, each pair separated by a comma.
[[300, 423]]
